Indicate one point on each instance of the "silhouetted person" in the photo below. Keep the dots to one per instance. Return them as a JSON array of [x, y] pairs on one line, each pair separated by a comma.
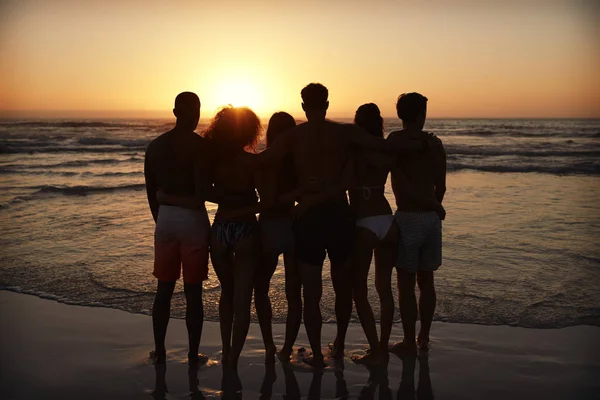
[[277, 189], [175, 163], [419, 221], [375, 232], [321, 150]]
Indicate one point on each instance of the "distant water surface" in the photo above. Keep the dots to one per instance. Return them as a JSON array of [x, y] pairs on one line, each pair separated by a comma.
[[520, 239]]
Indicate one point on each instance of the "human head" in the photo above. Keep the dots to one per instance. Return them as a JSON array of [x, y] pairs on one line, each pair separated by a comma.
[[234, 128], [279, 123], [369, 118], [412, 109], [187, 110], [314, 101]]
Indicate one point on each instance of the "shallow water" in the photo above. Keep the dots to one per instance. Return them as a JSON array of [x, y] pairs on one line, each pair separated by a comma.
[[519, 247]]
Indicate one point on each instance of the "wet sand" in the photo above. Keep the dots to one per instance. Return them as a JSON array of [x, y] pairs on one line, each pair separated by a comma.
[[52, 350]]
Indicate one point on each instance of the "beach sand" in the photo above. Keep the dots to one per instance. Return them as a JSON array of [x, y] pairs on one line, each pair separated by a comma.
[[50, 350]]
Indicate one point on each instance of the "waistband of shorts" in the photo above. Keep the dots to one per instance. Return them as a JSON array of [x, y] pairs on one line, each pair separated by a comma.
[[415, 214]]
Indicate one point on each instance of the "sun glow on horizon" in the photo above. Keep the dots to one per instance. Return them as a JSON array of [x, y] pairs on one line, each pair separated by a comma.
[[238, 93]]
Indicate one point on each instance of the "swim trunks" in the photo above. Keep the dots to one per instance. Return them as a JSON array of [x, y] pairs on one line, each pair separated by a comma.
[[181, 238], [420, 242], [326, 228]]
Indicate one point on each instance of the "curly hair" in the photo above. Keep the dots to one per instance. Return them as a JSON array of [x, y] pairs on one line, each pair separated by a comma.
[[369, 118], [233, 129], [279, 123]]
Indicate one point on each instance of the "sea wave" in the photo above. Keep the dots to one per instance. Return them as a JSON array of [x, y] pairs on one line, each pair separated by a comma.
[[83, 190], [75, 124], [74, 163], [517, 134], [99, 140], [578, 169]]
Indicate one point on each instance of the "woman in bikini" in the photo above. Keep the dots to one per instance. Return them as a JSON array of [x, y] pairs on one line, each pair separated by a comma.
[[235, 242], [375, 233]]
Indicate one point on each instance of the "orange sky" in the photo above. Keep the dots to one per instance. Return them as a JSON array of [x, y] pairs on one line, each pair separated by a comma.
[[130, 58]]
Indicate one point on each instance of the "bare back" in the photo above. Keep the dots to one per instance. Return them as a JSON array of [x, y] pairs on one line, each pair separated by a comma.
[[236, 183], [320, 151], [170, 164], [425, 172]]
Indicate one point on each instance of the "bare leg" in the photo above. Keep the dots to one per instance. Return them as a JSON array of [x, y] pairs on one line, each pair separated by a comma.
[[262, 302], [244, 268], [427, 301], [314, 391], [161, 311], [194, 318], [363, 253], [385, 258], [293, 294], [310, 277], [222, 262], [408, 311], [342, 285]]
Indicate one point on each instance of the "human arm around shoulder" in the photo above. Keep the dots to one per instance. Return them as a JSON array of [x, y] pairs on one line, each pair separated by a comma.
[[151, 184], [275, 153]]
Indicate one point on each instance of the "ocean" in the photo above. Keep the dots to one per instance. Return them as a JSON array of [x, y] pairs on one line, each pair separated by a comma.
[[520, 237]]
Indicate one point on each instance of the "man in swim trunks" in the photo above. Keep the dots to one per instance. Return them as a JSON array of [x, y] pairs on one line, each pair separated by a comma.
[[176, 164], [419, 217], [321, 150]]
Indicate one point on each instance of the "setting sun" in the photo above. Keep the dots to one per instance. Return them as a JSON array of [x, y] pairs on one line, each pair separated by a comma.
[[238, 93]]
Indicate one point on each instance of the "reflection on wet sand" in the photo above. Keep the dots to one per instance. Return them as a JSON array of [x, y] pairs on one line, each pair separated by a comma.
[[407, 384], [377, 383]]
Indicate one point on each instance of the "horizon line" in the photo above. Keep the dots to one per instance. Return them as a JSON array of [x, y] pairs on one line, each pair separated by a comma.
[[131, 115]]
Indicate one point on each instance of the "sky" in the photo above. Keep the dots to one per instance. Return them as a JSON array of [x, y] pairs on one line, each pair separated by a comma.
[[479, 59]]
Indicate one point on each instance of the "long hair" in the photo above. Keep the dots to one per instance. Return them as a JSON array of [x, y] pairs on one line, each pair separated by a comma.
[[369, 118], [233, 129], [279, 123]]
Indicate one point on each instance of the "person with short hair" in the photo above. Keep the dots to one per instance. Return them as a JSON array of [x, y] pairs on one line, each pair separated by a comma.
[[419, 217], [176, 164]]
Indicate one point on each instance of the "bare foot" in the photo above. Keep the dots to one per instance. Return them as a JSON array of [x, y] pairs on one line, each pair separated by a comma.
[[371, 358], [270, 355], [158, 357], [337, 352], [284, 355], [404, 349], [423, 345], [315, 361], [197, 360]]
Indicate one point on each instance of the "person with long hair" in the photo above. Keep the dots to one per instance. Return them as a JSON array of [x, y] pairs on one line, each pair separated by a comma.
[[235, 242], [375, 233], [277, 238], [277, 190]]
